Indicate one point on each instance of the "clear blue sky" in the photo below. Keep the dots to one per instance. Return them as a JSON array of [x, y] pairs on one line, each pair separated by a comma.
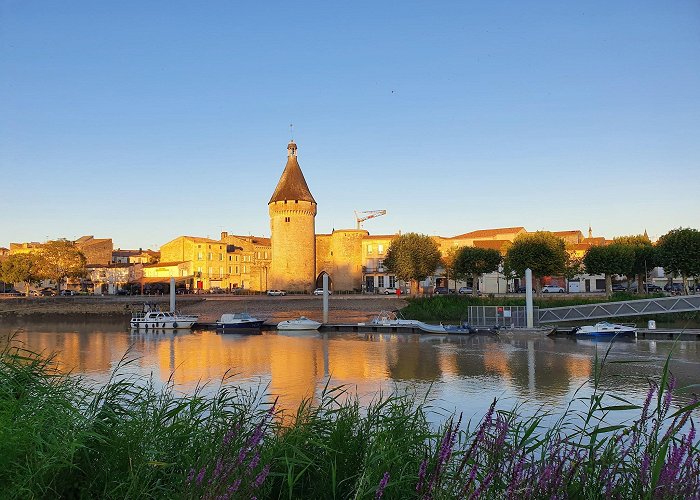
[[142, 121]]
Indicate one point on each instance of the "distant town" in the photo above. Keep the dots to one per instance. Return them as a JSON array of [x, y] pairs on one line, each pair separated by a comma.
[[295, 259]]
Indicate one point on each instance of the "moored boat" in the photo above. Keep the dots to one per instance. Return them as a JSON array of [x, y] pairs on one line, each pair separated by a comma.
[[161, 320], [238, 321], [300, 323], [606, 329]]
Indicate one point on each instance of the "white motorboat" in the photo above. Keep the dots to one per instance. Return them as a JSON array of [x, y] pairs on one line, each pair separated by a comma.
[[390, 318], [300, 323], [161, 320], [238, 321], [605, 329]]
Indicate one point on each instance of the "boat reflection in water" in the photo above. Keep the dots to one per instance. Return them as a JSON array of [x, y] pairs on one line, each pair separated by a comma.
[[463, 372]]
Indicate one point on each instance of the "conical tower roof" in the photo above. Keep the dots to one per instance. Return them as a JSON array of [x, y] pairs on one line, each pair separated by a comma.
[[292, 185]]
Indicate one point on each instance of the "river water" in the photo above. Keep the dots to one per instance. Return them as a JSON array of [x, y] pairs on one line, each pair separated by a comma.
[[458, 373]]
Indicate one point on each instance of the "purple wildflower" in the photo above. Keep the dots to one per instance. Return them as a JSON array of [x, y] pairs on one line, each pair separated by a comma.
[[421, 474], [254, 462], [234, 487], [382, 485], [484, 484], [261, 477], [200, 476], [190, 476]]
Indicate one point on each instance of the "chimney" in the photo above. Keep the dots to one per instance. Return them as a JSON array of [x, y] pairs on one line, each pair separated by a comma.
[[224, 235]]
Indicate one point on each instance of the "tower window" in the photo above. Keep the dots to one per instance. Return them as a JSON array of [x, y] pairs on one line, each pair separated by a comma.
[[296, 201], [286, 219]]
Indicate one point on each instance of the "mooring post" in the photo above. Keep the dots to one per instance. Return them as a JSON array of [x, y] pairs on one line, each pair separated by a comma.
[[528, 298], [325, 298], [172, 295]]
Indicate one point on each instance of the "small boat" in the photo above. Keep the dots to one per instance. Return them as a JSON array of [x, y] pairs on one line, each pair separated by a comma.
[[151, 319], [605, 329], [389, 318], [238, 321], [301, 323]]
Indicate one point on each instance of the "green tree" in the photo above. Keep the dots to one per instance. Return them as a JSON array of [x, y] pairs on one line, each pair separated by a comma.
[[679, 253], [448, 264], [477, 261], [644, 257], [616, 258], [60, 259], [413, 257], [20, 268], [543, 252]]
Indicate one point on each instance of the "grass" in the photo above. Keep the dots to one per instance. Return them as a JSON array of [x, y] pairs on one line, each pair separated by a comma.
[[62, 438], [455, 307]]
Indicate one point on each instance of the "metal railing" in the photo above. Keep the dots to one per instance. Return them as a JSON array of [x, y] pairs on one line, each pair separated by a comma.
[[502, 316]]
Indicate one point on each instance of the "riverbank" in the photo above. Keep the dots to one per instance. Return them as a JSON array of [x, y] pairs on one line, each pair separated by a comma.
[[342, 308]]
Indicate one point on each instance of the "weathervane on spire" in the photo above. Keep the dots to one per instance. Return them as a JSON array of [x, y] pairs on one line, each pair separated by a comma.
[[291, 131]]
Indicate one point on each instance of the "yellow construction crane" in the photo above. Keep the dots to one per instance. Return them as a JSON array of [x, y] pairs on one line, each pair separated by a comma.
[[360, 217]]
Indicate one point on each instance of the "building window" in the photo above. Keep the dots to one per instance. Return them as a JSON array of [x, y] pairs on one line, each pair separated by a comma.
[[286, 219], [236, 260], [245, 269], [229, 269], [380, 281], [236, 269], [221, 272], [369, 249], [199, 255], [221, 256], [199, 270], [266, 255], [210, 273], [230, 258], [209, 256], [392, 281], [380, 265], [380, 249]]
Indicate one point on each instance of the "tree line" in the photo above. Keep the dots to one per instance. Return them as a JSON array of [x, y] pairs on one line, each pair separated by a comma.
[[414, 257], [56, 260]]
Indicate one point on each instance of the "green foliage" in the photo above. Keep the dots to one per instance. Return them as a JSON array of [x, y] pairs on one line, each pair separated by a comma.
[[477, 261], [542, 251], [23, 267], [60, 259], [449, 260], [616, 258], [413, 257], [645, 255], [473, 260], [679, 252]]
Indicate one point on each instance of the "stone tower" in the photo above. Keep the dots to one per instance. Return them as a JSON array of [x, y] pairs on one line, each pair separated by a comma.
[[292, 229]]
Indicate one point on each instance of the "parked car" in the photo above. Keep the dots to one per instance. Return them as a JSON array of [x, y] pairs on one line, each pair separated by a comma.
[[467, 290], [389, 291], [66, 293], [442, 290], [48, 292], [552, 289], [276, 292], [619, 287], [523, 289], [319, 291], [673, 287], [651, 287]]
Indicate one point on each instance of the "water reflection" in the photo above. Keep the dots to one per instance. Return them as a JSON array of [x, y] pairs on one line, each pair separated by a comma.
[[464, 373]]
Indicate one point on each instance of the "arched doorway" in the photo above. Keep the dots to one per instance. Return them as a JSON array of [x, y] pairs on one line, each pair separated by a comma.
[[319, 280]]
